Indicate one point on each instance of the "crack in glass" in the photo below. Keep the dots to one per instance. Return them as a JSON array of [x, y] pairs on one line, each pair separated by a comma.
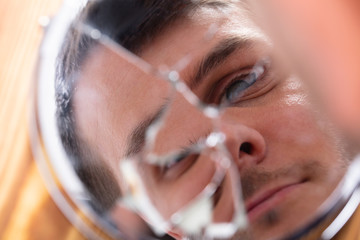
[[195, 216], [179, 118]]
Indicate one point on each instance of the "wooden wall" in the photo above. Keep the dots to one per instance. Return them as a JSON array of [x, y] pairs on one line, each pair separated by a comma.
[[26, 209]]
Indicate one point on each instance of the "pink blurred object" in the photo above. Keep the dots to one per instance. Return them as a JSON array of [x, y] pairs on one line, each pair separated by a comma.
[[323, 39]]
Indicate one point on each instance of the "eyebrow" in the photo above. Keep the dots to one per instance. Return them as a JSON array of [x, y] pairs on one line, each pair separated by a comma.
[[136, 139], [219, 54]]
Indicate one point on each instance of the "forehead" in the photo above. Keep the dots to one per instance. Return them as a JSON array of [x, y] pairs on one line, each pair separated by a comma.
[[114, 93], [195, 35]]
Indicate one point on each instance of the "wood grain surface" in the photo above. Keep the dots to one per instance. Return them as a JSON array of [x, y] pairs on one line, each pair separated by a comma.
[[27, 211]]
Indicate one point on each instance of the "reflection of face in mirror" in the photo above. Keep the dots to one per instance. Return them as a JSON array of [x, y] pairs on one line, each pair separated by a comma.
[[289, 158]]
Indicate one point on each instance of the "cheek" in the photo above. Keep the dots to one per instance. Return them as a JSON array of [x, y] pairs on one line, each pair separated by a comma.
[[294, 124], [281, 123], [292, 132], [295, 133], [293, 121]]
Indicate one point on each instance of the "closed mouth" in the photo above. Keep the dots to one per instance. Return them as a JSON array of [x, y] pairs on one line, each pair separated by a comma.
[[266, 200]]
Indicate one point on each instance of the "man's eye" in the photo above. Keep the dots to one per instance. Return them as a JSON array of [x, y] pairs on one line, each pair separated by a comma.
[[176, 160], [239, 85], [237, 88], [179, 165]]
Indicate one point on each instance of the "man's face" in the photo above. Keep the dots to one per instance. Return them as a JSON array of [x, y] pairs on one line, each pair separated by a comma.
[[287, 157]]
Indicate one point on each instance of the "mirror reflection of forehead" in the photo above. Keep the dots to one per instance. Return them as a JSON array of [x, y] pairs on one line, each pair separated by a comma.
[[117, 92], [134, 87], [199, 31], [234, 34]]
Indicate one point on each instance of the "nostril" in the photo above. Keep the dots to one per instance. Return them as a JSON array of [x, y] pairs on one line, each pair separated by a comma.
[[246, 147]]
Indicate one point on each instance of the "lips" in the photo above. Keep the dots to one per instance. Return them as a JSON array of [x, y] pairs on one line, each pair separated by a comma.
[[267, 199]]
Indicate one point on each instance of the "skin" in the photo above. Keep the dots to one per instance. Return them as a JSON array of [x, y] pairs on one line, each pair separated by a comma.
[[293, 155], [329, 60]]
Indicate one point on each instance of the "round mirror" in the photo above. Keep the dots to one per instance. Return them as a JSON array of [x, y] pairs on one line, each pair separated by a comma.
[[185, 120]]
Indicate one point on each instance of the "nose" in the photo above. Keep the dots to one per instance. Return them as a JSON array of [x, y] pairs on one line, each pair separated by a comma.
[[246, 145]]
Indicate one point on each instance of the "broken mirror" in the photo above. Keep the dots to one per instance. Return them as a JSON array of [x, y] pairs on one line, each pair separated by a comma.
[[184, 120]]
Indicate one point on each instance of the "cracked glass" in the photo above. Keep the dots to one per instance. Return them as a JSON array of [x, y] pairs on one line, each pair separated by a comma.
[[184, 120]]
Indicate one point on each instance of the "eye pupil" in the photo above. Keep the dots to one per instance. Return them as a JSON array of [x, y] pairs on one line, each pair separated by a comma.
[[238, 86], [251, 78], [236, 89]]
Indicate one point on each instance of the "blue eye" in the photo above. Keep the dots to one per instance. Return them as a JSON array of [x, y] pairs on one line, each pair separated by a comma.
[[236, 89], [240, 84]]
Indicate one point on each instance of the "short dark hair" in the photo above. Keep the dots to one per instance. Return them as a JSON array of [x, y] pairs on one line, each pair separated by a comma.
[[132, 24]]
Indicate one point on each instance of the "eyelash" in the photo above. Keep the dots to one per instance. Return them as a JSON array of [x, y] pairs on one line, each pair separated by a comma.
[[220, 89], [179, 165]]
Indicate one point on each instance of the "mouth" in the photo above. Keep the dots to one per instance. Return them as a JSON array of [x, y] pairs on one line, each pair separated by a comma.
[[266, 200]]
